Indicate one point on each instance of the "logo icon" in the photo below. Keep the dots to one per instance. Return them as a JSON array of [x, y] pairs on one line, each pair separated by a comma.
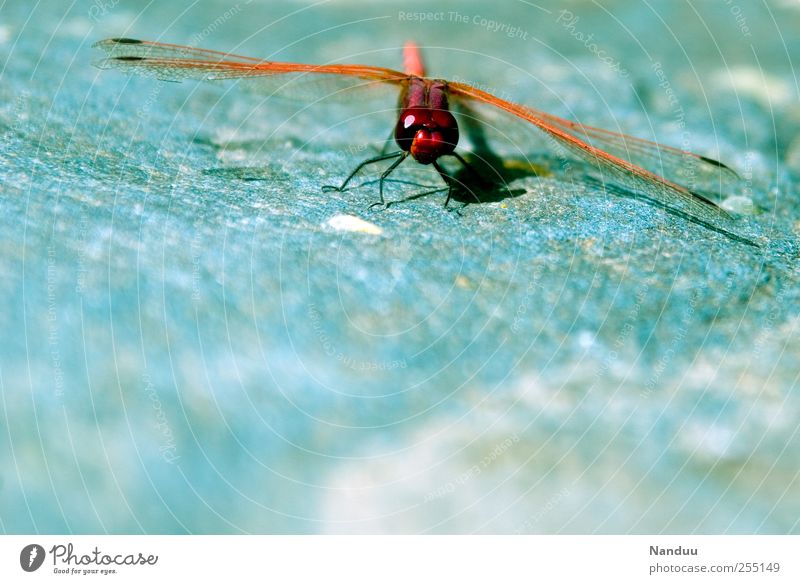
[[31, 557]]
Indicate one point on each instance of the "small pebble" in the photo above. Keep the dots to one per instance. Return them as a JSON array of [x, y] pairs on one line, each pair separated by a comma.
[[354, 224]]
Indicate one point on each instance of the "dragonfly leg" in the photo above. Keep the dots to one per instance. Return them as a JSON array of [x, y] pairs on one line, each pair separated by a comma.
[[448, 180], [468, 166], [367, 162], [386, 173]]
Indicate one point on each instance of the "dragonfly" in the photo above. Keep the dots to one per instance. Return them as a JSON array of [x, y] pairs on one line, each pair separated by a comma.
[[426, 129]]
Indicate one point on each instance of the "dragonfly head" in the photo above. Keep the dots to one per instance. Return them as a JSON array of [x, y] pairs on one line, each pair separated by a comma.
[[426, 133]]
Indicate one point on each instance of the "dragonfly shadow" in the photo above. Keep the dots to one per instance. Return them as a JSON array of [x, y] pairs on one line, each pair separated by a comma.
[[486, 178], [247, 144], [467, 190], [245, 173], [621, 192]]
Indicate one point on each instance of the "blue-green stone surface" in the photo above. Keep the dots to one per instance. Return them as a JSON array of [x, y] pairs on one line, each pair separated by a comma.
[[189, 345]]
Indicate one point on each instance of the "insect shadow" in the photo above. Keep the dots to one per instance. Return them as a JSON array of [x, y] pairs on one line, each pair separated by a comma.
[[485, 181], [245, 173], [621, 192], [481, 176], [491, 175]]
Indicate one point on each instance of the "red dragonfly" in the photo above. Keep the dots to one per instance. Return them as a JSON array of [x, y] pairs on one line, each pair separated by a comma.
[[426, 128]]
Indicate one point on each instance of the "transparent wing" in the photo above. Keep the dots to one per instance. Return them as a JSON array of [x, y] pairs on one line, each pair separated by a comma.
[[169, 62], [634, 163], [658, 158]]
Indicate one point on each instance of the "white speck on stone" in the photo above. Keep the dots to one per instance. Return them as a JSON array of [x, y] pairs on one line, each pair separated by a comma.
[[585, 339], [353, 224]]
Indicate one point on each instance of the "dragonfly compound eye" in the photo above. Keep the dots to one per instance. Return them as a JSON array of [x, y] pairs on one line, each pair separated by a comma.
[[428, 145], [427, 134]]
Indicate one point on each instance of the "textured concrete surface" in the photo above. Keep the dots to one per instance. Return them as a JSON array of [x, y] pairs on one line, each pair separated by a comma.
[[197, 338]]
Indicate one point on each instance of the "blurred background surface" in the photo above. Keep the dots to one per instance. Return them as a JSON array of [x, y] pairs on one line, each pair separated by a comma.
[[191, 345]]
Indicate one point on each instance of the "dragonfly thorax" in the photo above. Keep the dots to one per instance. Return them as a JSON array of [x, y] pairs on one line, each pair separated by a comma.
[[426, 133]]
